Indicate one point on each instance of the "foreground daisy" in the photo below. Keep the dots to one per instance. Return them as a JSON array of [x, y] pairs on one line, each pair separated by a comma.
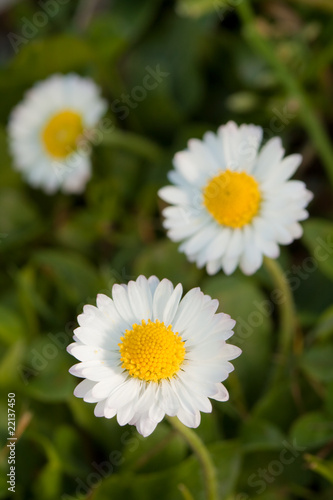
[[46, 128], [147, 353], [232, 203]]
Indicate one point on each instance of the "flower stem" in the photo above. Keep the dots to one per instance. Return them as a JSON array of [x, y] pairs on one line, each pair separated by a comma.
[[139, 145], [203, 455], [307, 114], [287, 312]]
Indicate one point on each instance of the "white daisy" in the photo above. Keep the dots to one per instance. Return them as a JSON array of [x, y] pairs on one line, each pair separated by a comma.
[[147, 353], [232, 203], [46, 130]]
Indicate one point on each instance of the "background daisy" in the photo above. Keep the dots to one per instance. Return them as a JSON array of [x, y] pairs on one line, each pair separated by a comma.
[[233, 202], [147, 353], [49, 130]]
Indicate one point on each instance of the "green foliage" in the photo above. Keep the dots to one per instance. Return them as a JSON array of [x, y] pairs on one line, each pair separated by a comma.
[[57, 252]]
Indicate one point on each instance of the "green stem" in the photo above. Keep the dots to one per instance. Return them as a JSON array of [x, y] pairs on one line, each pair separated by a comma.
[[203, 455], [186, 494], [135, 143], [306, 112], [287, 312], [146, 457]]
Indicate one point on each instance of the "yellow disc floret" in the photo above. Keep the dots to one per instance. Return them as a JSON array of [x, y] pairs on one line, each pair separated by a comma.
[[61, 133], [232, 198], [151, 351]]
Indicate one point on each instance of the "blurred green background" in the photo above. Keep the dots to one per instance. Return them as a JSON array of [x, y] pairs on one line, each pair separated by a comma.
[[216, 62]]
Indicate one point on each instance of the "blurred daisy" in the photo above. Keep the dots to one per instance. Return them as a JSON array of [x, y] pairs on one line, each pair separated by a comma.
[[233, 203], [147, 353], [47, 128]]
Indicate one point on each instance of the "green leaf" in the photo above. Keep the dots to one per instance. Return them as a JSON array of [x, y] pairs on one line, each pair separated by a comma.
[[243, 300], [318, 237], [41, 58], [324, 327], [11, 326], [107, 433], [268, 407], [73, 274], [329, 398], [49, 363], [134, 143], [165, 261], [259, 434], [148, 455], [323, 467], [70, 449], [226, 457], [49, 481], [312, 430], [13, 357], [317, 362], [126, 22], [19, 220]]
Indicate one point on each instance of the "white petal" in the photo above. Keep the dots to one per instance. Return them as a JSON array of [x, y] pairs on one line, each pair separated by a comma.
[[100, 408], [240, 145], [123, 393], [86, 353], [207, 162], [286, 168], [122, 303], [103, 388], [172, 305], [221, 393], [145, 425], [213, 266], [169, 401], [190, 304], [190, 168], [218, 245], [94, 370], [189, 419], [83, 387], [199, 240], [140, 298], [162, 294], [268, 158], [172, 194], [153, 282], [251, 260]]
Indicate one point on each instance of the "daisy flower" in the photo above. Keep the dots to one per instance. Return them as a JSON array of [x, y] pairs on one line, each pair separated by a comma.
[[147, 353], [233, 203], [46, 129]]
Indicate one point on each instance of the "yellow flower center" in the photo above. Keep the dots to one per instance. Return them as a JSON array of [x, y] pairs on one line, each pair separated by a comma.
[[61, 133], [151, 351], [232, 198]]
